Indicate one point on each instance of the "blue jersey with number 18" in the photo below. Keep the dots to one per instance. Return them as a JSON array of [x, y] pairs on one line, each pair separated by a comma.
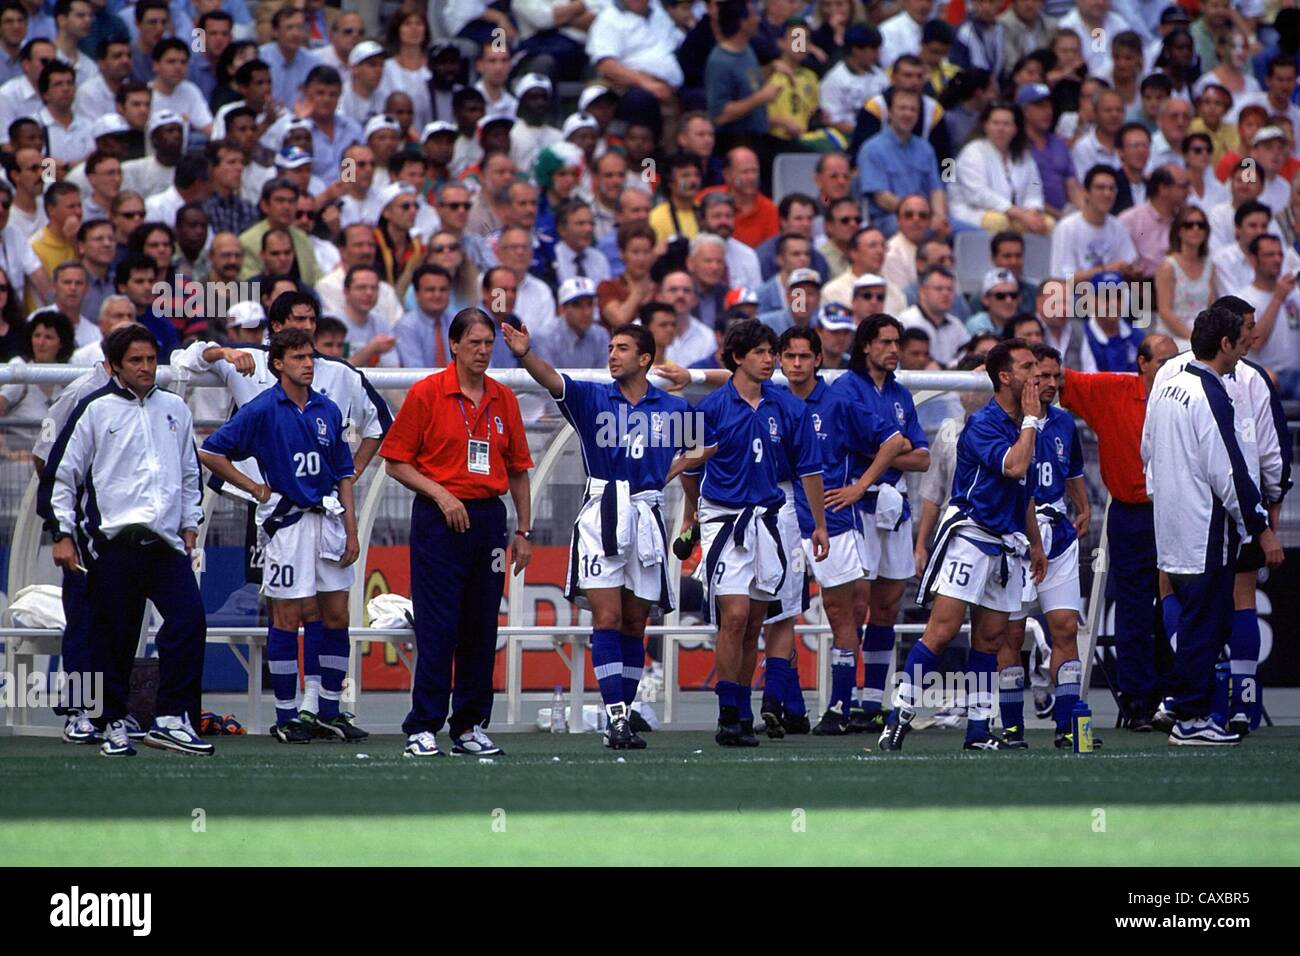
[[1058, 457]]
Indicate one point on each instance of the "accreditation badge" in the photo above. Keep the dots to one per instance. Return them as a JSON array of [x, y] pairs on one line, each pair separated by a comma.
[[478, 461]]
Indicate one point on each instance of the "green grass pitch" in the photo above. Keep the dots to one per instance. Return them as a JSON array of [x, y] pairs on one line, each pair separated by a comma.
[[683, 801]]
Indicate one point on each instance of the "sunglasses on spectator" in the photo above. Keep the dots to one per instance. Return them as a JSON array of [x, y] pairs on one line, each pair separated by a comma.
[[448, 247], [867, 294], [404, 206], [1003, 296], [462, 206], [1198, 150], [1195, 224], [914, 215], [132, 214], [303, 214], [845, 220]]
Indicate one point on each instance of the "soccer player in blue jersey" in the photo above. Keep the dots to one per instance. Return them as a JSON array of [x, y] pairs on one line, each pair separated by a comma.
[[748, 424], [842, 576], [886, 512], [306, 513], [987, 529], [630, 431], [1057, 475]]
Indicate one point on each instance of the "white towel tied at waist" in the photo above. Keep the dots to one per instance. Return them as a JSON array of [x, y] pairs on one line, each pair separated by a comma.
[[333, 534], [636, 525], [754, 529], [889, 507]]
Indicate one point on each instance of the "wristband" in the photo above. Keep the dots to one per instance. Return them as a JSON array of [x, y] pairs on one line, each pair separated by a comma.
[[1029, 421]]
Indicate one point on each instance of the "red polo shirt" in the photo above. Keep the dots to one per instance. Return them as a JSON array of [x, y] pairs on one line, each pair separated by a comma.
[[433, 427], [1114, 404]]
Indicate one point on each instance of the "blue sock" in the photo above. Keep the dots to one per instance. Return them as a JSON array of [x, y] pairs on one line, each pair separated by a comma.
[[1068, 677], [607, 661], [776, 679], [333, 669], [313, 635], [1170, 610], [843, 670], [745, 702], [877, 655], [1243, 651], [920, 663], [793, 696], [1011, 697], [633, 652], [728, 692], [981, 669], [282, 659]]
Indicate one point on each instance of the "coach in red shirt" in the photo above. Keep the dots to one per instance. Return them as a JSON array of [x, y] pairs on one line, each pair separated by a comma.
[[1114, 404], [459, 444]]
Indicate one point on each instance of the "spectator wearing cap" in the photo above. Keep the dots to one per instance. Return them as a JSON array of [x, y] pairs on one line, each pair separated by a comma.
[[1269, 151], [933, 313], [900, 251], [398, 248], [795, 216], [531, 133], [718, 212], [290, 63], [1000, 296], [575, 254], [742, 301], [632, 45], [278, 205], [577, 340], [854, 80], [556, 172], [363, 93], [1110, 343], [802, 300], [674, 218], [581, 129], [620, 298], [1050, 152], [172, 91], [1092, 240], [895, 163], [98, 95], [153, 174], [836, 326], [422, 332], [492, 67], [294, 164], [867, 297], [866, 257], [1148, 223], [438, 146], [552, 36], [980, 42], [192, 184], [1025, 28]]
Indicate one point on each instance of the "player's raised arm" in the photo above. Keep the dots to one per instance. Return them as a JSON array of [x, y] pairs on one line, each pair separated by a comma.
[[1020, 455], [521, 347]]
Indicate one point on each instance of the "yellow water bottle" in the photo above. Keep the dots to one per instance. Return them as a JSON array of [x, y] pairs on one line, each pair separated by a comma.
[[1081, 724]]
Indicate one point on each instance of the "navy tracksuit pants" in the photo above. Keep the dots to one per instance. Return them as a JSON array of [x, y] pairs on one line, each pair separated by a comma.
[[127, 573], [75, 653], [1203, 628], [1134, 578], [457, 580]]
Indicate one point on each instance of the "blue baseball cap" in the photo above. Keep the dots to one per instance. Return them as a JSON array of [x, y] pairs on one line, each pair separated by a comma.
[[1106, 278], [1032, 93]]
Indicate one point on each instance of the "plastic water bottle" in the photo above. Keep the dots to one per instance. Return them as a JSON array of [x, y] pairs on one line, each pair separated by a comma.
[[558, 723], [1081, 724]]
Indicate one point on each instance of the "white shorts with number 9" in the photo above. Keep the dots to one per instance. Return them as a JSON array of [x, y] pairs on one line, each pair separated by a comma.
[[970, 575], [293, 566]]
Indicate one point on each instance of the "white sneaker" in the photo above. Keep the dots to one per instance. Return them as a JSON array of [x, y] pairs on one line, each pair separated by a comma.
[[423, 744], [1163, 720], [79, 729], [116, 742], [475, 743], [175, 733], [133, 728], [1201, 732]]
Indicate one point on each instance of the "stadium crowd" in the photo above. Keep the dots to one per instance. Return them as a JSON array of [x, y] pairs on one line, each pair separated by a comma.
[[1111, 168]]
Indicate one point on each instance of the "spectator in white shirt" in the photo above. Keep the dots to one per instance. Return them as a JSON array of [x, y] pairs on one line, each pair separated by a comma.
[[854, 80], [1233, 267], [69, 293], [694, 341], [1092, 240], [998, 185], [97, 96], [575, 254], [531, 133], [345, 34], [172, 91], [1099, 144], [72, 20], [153, 174], [370, 338], [718, 212], [1277, 312], [19, 96], [932, 313], [492, 67], [535, 302], [901, 33], [633, 45], [1088, 18], [363, 93], [192, 184], [67, 134]]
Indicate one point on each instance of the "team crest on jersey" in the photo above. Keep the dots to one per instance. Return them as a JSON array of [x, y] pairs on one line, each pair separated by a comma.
[[657, 423], [817, 423], [772, 429], [321, 428], [171, 423], [496, 420], [899, 413], [1060, 448]]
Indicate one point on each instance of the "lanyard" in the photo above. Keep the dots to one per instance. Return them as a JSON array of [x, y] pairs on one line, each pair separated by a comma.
[[481, 415]]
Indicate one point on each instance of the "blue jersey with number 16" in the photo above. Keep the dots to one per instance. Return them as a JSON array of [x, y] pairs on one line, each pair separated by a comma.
[[622, 441]]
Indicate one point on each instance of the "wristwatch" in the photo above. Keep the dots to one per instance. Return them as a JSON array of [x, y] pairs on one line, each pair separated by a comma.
[[526, 535], [60, 535]]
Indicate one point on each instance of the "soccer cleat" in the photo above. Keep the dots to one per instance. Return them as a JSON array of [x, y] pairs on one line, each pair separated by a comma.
[[1163, 720], [735, 735], [896, 729], [313, 723], [117, 743], [474, 743], [423, 744], [79, 729], [293, 732], [987, 742], [621, 736], [638, 723], [861, 722], [1044, 704], [175, 733], [1014, 739], [133, 728], [1239, 725], [340, 728], [795, 725], [770, 712], [1065, 740], [832, 724], [1201, 732], [1138, 721]]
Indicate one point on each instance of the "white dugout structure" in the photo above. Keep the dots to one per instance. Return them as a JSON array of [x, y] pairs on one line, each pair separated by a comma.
[[384, 515]]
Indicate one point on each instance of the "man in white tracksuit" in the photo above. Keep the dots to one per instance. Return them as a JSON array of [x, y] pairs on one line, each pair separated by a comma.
[[1205, 502]]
